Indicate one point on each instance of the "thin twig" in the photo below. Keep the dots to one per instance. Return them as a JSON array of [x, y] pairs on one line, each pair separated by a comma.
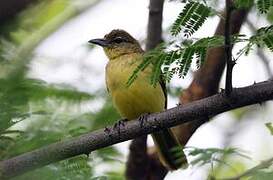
[[87, 143], [261, 53], [228, 48], [264, 164]]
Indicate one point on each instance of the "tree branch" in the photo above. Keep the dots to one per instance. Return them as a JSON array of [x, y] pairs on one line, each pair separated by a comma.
[[137, 164], [228, 48], [154, 34], [87, 143]]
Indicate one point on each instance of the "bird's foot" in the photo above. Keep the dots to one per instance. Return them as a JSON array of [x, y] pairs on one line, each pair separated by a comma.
[[120, 123], [107, 130], [143, 118]]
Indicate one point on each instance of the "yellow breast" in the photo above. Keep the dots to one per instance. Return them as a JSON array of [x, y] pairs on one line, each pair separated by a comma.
[[140, 97]]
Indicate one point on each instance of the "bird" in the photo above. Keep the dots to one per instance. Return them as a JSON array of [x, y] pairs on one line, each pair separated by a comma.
[[141, 97]]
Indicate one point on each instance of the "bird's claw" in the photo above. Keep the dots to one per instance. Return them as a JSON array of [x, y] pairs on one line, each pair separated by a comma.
[[120, 123], [107, 130], [143, 118]]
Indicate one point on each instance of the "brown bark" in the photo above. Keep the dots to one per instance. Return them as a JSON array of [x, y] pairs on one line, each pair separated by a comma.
[[137, 164], [154, 31]]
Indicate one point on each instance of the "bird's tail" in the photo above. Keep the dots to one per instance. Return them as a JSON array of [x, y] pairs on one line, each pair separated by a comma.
[[170, 151]]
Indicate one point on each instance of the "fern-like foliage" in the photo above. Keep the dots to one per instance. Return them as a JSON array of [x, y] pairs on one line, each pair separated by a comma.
[[168, 61], [185, 61], [180, 60], [264, 5], [243, 3], [176, 61], [269, 127], [17, 94], [211, 155], [157, 67], [149, 58], [191, 18], [263, 37]]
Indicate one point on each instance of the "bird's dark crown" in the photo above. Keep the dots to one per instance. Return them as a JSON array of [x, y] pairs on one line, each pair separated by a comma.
[[118, 43], [118, 36]]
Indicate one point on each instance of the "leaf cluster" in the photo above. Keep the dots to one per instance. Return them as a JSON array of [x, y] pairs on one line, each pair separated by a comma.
[[191, 18], [263, 6], [262, 38], [211, 155], [176, 61], [177, 57]]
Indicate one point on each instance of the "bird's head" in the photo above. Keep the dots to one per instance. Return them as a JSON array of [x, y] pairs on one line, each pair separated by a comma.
[[117, 43]]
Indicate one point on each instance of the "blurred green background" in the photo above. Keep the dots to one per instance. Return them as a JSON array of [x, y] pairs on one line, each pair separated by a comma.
[[52, 87]]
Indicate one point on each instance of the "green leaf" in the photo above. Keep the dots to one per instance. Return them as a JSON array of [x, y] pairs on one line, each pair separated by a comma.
[[157, 68], [201, 55], [263, 37], [185, 61], [269, 127], [150, 57], [264, 5], [210, 155], [145, 63], [191, 18], [243, 3], [262, 175]]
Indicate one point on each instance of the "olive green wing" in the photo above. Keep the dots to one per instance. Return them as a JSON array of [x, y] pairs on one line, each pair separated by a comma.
[[164, 89]]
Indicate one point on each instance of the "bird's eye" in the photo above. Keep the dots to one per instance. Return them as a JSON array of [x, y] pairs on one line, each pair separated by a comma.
[[118, 40]]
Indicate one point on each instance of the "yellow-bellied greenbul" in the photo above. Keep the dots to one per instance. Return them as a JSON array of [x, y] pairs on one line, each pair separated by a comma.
[[125, 54]]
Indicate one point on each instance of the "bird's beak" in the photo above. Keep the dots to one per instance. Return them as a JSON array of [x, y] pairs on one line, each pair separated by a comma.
[[100, 42]]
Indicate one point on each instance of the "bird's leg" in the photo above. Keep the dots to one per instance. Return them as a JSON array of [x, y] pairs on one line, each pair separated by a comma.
[[143, 118]]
